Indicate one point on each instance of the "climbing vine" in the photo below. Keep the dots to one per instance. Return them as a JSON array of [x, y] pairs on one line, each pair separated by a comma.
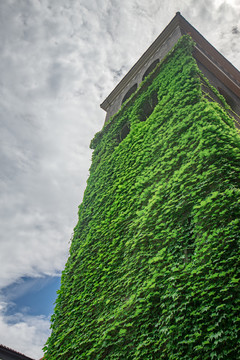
[[153, 270]]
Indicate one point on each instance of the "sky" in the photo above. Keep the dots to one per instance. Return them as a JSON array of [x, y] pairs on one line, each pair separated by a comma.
[[59, 59]]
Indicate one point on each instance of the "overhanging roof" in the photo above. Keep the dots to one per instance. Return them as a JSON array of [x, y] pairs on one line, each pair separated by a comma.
[[13, 354]]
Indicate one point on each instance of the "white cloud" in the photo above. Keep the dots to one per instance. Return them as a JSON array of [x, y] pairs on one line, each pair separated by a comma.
[[24, 333], [59, 60]]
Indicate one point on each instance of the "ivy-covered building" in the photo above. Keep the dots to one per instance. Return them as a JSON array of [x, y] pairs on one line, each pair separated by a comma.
[[153, 270]]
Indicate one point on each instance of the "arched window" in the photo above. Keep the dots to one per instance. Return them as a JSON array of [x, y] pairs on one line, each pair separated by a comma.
[[150, 68], [124, 132], [148, 106], [129, 93]]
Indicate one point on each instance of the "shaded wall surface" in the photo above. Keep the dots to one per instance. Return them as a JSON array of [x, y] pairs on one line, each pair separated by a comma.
[[153, 270]]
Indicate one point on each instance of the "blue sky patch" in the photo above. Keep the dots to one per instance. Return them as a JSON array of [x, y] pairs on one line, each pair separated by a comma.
[[32, 296]]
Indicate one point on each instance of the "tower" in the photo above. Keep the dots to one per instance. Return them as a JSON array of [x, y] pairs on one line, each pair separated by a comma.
[[153, 270]]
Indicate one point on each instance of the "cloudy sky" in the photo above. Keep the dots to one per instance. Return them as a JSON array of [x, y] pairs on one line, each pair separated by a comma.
[[59, 60]]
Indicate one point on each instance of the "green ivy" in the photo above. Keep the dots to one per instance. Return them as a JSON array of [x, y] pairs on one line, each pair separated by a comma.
[[153, 271]]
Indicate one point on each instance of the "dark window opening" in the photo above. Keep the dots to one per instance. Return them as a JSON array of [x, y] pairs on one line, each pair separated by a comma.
[[148, 107], [129, 93], [228, 98], [188, 253], [150, 68], [124, 132]]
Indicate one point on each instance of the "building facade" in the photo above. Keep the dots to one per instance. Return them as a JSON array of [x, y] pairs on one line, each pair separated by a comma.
[[153, 270]]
